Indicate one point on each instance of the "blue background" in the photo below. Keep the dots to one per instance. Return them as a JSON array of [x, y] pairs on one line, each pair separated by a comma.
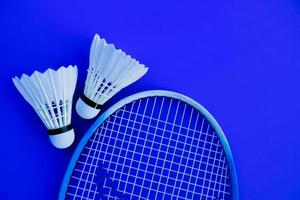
[[240, 59]]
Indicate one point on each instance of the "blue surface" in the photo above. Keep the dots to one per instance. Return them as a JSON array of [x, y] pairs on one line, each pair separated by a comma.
[[240, 59]]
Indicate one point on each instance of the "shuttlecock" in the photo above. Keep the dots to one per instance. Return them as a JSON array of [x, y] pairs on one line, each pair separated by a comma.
[[50, 94], [110, 70]]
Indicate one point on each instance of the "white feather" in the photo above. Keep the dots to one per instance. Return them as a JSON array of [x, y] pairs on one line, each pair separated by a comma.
[[109, 71], [50, 94]]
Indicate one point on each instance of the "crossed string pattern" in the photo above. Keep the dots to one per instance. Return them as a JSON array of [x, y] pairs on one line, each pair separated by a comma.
[[152, 148]]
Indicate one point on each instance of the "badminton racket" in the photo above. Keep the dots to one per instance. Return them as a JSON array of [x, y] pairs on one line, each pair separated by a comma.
[[152, 145]]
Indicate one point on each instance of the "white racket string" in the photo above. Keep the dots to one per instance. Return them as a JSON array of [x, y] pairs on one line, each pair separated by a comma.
[[153, 148]]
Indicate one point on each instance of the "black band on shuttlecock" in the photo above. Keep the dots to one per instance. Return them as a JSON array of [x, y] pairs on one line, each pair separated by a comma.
[[60, 130], [90, 102]]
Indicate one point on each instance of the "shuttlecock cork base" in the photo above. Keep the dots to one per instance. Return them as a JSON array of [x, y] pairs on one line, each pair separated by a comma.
[[86, 108], [62, 137]]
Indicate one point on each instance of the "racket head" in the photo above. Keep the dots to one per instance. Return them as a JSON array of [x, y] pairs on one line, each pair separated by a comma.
[[101, 168]]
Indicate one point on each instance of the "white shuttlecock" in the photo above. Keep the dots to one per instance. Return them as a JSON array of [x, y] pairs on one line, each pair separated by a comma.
[[110, 70], [50, 94]]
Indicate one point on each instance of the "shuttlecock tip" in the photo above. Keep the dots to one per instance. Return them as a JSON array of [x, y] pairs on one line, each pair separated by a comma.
[[85, 111], [63, 140]]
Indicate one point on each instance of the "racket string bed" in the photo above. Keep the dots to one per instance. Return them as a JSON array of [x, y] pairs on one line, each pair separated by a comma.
[[152, 148]]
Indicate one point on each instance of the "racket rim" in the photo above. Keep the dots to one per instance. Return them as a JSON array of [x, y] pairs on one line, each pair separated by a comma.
[[152, 93]]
